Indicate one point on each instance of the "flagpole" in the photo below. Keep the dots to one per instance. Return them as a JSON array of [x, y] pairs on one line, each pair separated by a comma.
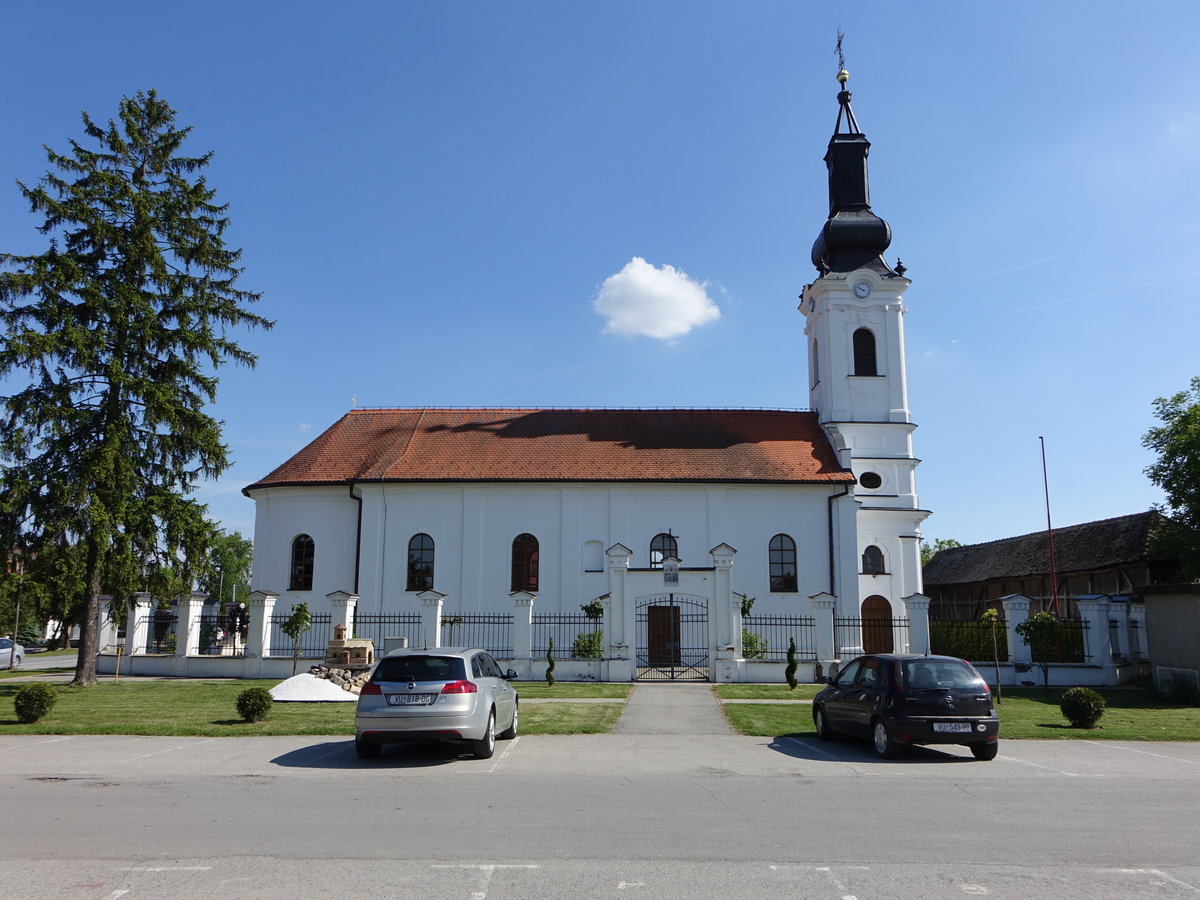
[[1049, 534]]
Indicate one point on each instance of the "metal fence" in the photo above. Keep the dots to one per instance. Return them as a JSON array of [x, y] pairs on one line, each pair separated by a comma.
[[968, 639], [1070, 645], [216, 637], [313, 642], [768, 637], [488, 631], [873, 635], [160, 631], [377, 626], [575, 636]]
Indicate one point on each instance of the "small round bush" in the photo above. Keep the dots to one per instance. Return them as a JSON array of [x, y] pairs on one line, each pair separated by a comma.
[[34, 701], [1082, 706], [254, 704]]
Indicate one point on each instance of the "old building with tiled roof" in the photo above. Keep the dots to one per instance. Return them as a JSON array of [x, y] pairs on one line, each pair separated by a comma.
[[473, 510], [1112, 556]]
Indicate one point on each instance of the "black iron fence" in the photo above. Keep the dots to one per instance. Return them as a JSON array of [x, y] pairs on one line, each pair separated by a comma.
[[217, 638], [1070, 644], [969, 639], [160, 631], [488, 631], [768, 637], [575, 636], [378, 626], [313, 642], [872, 635]]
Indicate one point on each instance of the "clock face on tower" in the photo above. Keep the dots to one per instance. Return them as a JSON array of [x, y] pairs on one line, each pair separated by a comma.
[[862, 289]]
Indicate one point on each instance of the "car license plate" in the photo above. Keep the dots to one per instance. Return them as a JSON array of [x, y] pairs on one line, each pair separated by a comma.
[[952, 727], [409, 699]]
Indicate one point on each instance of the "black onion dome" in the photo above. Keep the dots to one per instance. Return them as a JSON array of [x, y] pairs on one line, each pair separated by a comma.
[[853, 237]]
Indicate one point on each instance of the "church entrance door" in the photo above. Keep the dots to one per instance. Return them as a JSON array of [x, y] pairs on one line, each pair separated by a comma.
[[672, 638], [877, 625]]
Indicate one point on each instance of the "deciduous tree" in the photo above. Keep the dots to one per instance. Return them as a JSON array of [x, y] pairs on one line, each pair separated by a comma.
[[1176, 442], [111, 341]]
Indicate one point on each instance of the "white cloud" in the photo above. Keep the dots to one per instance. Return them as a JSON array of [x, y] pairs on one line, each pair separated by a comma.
[[304, 427], [663, 303]]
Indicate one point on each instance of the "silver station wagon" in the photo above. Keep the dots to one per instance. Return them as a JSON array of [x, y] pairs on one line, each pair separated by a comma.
[[451, 694]]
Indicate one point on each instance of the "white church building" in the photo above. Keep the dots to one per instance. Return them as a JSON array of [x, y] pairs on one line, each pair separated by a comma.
[[495, 526]]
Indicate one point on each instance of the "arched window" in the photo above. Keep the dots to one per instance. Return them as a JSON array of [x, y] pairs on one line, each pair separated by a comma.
[[872, 563], [420, 563], [782, 552], [303, 554], [864, 353], [525, 563], [662, 546]]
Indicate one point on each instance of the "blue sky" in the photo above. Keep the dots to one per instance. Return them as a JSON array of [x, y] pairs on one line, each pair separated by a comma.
[[434, 196]]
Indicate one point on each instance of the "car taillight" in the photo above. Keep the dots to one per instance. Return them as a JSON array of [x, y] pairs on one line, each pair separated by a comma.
[[460, 687], [370, 689]]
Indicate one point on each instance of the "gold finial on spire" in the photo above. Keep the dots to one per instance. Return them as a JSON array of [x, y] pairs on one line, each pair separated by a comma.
[[843, 76]]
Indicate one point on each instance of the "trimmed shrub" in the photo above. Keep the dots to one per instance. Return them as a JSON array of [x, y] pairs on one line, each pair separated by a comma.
[[790, 672], [1082, 707], [754, 645], [34, 701], [254, 704], [588, 645], [550, 667]]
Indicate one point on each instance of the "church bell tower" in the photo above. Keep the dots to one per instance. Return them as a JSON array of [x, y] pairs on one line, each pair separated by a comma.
[[854, 325]]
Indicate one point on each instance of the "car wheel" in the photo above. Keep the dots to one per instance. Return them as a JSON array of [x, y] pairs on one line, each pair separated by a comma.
[[824, 732], [486, 745], [885, 745], [511, 731], [366, 749], [986, 751]]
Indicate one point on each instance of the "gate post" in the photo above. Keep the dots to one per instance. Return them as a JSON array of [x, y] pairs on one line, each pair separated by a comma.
[[1016, 611], [620, 617], [1096, 637], [261, 605], [431, 617], [523, 628]]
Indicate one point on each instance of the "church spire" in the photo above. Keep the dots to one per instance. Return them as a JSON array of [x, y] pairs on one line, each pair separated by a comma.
[[853, 237]]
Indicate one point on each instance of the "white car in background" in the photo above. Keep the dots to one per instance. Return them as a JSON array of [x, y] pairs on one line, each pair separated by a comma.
[[11, 654]]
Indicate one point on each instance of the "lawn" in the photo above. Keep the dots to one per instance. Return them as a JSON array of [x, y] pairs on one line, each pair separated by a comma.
[[1027, 713], [207, 708]]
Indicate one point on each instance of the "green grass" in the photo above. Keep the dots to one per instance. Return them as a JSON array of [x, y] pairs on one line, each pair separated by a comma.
[[766, 691], [207, 708], [573, 690], [1026, 713]]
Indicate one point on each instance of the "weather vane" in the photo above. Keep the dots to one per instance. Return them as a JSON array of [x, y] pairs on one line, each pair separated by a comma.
[[843, 76]]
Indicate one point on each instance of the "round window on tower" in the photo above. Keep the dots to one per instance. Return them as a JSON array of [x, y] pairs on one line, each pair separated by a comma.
[[870, 480]]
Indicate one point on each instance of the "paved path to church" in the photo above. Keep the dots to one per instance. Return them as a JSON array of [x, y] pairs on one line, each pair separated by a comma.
[[675, 708]]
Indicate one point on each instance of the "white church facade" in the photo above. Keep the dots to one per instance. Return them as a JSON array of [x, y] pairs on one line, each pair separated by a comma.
[[669, 521]]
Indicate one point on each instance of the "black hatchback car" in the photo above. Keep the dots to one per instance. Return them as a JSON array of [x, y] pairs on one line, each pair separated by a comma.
[[896, 699]]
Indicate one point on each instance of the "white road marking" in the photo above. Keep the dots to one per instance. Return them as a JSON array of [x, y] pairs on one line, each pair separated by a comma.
[[509, 745], [1158, 873], [168, 868], [829, 872], [1048, 768], [160, 752], [973, 889], [115, 894], [57, 740], [1109, 746], [621, 885], [486, 871]]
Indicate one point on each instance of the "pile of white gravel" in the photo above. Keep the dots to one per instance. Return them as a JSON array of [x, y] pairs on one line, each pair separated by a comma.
[[308, 688]]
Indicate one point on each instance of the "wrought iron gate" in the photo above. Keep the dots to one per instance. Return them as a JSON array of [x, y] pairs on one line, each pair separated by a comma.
[[672, 638]]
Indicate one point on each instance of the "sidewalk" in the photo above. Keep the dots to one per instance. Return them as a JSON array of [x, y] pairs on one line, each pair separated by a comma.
[[677, 708]]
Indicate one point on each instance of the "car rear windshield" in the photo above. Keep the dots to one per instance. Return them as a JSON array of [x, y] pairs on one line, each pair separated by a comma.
[[420, 668], [939, 673]]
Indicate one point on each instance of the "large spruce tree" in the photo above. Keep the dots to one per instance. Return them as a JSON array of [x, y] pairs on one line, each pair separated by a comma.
[[111, 341]]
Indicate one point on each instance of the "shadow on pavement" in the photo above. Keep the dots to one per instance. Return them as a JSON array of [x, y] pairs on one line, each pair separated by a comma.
[[341, 755]]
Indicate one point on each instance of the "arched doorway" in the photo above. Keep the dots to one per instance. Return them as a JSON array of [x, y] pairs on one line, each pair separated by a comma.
[[877, 625]]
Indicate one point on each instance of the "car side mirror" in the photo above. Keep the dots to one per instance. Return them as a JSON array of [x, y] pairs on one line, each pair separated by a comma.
[[510, 675], [829, 679]]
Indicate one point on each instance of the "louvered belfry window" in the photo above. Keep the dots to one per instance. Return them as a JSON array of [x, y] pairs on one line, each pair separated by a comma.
[[864, 353]]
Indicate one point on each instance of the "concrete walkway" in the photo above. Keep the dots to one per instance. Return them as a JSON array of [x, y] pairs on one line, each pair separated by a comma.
[[677, 708]]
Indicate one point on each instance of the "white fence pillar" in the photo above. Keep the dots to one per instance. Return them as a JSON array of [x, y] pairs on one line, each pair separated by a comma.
[[823, 606], [341, 607], [137, 627], [1095, 614], [728, 613], [1016, 611], [262, 607], [522, 625], [620, 617], [918, 622], [431, 617]]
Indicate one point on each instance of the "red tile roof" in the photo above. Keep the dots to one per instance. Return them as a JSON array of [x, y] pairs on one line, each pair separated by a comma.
[[576, 445]]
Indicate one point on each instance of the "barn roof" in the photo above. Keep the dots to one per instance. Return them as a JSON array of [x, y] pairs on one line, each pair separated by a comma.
[[572, 445], [1077, 548]]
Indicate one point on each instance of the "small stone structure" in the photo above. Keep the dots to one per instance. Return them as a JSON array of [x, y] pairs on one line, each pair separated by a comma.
[[351, 653]]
